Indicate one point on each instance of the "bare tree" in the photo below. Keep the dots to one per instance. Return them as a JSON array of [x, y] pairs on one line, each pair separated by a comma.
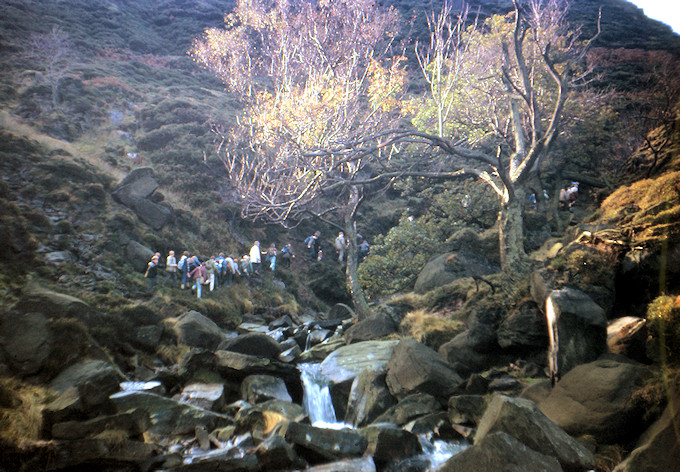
[[53, 55]]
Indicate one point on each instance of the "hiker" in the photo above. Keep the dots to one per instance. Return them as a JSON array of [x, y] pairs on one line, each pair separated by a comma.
[[198, 274], [313, 247], [211, 272], [572, 193], [255, 257], [183, 268], [564, 198], [230, 267], [287, 255], [364, 247], [271, 256], [152, 272], [219, 273], [246, 266], [340, 245], [170, 268], [532, 200]]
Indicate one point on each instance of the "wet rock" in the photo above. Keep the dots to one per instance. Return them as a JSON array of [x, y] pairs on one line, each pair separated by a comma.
[[597, 399], [364, 464], [410, 408], [369, 397], [375, 327], [202, 395], [388, 443], [169, 417], [321, 445], [289, 355], [415, 367], [259, 388], [25, 339], [224, 460], [345, 363], [433, 426], [500, 452], [580, 327], [253, 344], [197, 330], [317, 336], [523, 420], [275, 453]]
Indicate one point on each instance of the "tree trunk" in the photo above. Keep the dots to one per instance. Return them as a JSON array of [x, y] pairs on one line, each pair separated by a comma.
[[514, 261], [355, 290]]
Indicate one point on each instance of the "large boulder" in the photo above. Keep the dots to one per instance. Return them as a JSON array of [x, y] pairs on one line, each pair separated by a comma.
[[94, 380], [368, 398], [169, 417], [26, 341], [415, 367], [445, 268], [38, 299], [410, 408], [597, 399], [134, 192], [138, 255], [375, 327], [500, 452], [253, 344], [345, 363], [523, 420], [388, 443], [577, 327], [197, 330], [134, 423]]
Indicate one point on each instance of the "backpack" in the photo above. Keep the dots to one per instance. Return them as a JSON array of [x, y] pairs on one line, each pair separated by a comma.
[[309, 240], [181, 264]]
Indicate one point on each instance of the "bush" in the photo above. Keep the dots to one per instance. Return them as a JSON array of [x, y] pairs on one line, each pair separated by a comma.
[[663, 321], [397, 258]]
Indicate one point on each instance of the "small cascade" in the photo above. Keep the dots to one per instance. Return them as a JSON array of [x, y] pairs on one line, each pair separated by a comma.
[[436, 452], [317, 397]]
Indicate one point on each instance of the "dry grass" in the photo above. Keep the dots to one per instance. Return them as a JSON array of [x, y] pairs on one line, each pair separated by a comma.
[[430, 329], [21, 411]]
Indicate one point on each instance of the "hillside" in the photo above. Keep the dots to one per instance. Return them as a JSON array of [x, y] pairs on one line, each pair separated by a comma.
[[107, 155]]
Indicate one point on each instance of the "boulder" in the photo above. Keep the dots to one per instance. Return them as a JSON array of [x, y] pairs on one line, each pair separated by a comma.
[[466, 409], [658, 449], [415, 367], [444, 269], [275, 453], [290, 354], [388, 443], [134, 423], [321, 445], [196, 330], [169, 417], [500, 452], [38, 299], [577, 327], [597, 399], [139, 183], [410, 408], [523, 420], [259, 388], [253, 344], [202, 395], [466, 354], [25, 339], [228, 459], [94, 380], [138, 255], [628, 336], [345, 363], [321, 351], [368, 398], [264, 417], [151, 213], [525, 328], [371, 328], [363, 464]]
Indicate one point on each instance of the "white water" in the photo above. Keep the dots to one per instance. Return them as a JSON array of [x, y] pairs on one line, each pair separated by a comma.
[[437, 451], [316, 398]]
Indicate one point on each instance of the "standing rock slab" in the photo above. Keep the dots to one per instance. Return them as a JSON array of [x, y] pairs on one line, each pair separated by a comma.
[[577, 327], [523, 420], [415, 367], [500, 452], [597, 399]]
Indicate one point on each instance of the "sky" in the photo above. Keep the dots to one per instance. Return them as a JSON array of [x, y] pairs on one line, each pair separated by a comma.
[[665, 11]]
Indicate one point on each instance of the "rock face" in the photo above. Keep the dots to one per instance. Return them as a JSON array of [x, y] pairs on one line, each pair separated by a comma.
[[523, 420], [415, 367], [500, 452], [596, 399], [134, 192], [577, 327]]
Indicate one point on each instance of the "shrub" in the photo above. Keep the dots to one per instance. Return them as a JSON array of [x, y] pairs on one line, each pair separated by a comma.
[[663, 321]]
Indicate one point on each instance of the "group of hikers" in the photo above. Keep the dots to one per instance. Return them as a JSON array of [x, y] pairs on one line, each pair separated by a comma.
[[221, 270]]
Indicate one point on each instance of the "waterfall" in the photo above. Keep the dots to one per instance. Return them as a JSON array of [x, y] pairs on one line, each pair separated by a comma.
[[316, 397]]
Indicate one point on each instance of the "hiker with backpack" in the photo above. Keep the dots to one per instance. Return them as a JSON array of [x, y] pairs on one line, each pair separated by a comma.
[[152, 272], [313, 247]]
